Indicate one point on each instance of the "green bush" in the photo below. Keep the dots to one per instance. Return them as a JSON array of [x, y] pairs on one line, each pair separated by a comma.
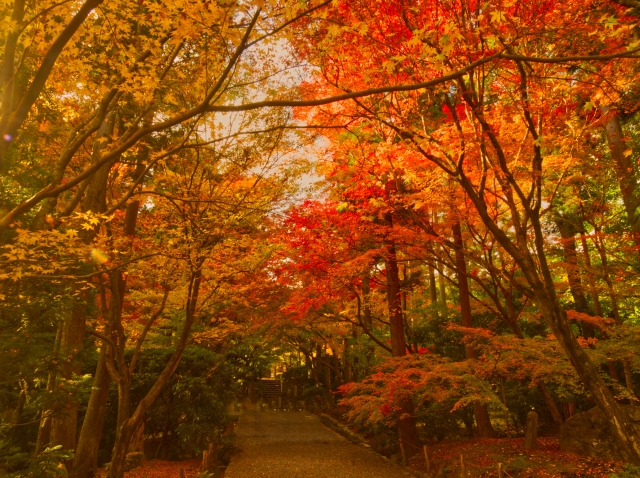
[[48, 464], [190, 412], [628, 471]]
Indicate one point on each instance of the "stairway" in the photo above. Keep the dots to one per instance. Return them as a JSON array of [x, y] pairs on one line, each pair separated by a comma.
[[271, 390]]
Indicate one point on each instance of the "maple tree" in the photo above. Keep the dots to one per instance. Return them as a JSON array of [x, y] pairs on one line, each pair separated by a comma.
[[489, 133], [475, 220]]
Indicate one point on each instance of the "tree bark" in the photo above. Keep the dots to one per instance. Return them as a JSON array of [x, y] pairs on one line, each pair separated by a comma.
[[44, 429], [366, 299], [480, 411], [568, 230], [625, 171], [85, 461], [441, 286], [346, 361], [64, 423], [590, 276], [128, 423], [327, 377], [550, 403], [433, 292], [406, 423], [94, 201]]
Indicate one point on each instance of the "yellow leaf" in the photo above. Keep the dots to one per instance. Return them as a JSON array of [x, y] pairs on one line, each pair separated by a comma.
[[498, 16]]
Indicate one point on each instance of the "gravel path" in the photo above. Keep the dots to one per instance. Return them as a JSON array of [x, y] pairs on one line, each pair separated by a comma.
[[297, 445]]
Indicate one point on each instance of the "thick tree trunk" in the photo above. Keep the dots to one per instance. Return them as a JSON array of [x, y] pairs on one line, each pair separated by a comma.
[[480, 411], [64, 429], [625, 171], [64, 423], [86, 457], [85, 462], [595, 296], [556, 318], [626, 365], [589, 374], [316, 364], [336, 365], [407, 423]]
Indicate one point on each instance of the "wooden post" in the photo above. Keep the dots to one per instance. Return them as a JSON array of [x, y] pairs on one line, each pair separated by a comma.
[[182, 473], [531, 431], [402, 453], [463, 470], [500, 472], [426, 458], [210, 458], [506, 410]]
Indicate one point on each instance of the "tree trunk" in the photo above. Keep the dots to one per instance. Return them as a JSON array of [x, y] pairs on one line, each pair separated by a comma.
[[550, 403], [367, 319], [588, 372], [336, 366], [44, 429], [441, 286], [63, 430], [86, 457], [590, 276], [346, 361], [366, 299], [595, 296], [568, 230], [540, 279], [327, 378], [406, 423], [85, 462], [433, 292], [480, 411], [625, 171], [64, 423], [128, 424]]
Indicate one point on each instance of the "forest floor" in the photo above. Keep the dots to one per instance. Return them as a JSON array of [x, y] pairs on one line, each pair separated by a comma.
[[481, 458]]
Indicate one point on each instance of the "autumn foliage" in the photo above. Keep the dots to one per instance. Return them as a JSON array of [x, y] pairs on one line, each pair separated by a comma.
[[433, 204]]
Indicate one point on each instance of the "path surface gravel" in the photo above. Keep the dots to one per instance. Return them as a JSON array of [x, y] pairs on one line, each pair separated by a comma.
[[296, 445]]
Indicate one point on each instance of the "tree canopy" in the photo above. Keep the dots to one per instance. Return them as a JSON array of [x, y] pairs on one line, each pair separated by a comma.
[[421, 201]]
